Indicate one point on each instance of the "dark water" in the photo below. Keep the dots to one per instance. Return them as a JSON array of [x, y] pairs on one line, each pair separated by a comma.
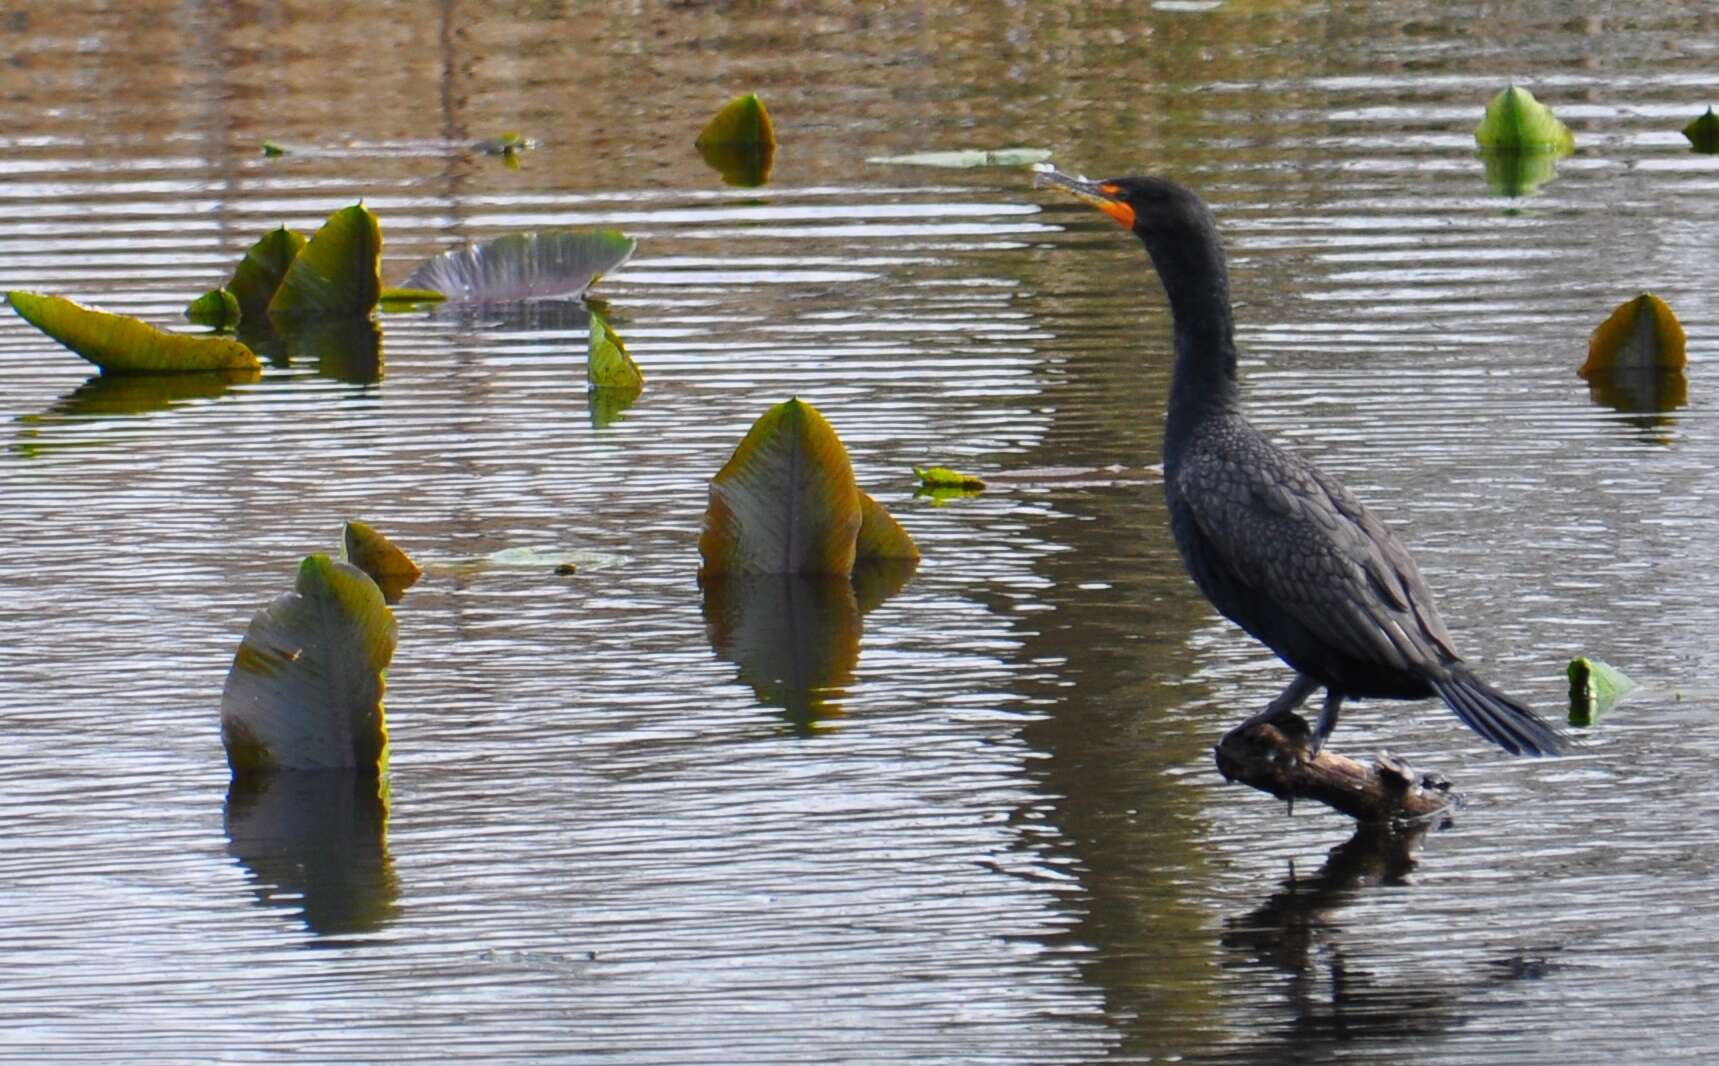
[[993, 833]]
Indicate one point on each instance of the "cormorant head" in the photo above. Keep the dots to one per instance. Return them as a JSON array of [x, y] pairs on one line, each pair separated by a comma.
[[1155, 210]]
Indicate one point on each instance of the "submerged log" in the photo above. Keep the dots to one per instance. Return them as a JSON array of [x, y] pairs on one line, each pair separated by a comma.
[[1272, 757]]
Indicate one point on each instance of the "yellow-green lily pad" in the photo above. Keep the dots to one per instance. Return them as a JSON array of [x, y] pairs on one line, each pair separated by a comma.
[[386, 563], [120, 344], [941, 477], [608, 364], [218, 309], [1642, 333], [1595, 686], [1515, 120], [259, 274], [880, 535], [339, 272], [740, 142]]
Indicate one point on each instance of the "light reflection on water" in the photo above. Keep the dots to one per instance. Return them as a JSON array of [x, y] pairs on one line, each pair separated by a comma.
[[604, 835]]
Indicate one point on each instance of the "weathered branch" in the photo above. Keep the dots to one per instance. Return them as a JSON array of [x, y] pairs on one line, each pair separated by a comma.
[[1272, 757]]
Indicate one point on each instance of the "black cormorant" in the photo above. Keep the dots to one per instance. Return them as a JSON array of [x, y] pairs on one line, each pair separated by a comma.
[[1275, 543]]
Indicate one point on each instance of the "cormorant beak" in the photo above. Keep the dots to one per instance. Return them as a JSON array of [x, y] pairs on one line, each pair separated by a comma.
[[1100, 194]]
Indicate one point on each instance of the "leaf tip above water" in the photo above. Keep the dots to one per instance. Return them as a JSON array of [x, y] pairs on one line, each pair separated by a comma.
[[1642, 333], [1595, 687], [1703, 132], [739, 143], [387, 564], [608, 364], [1515, 120]]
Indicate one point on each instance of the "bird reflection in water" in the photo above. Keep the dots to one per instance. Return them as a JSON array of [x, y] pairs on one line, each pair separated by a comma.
[[316, 839]]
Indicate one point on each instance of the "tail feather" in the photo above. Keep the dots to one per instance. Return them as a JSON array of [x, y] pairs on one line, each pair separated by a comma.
[[1499, 718]]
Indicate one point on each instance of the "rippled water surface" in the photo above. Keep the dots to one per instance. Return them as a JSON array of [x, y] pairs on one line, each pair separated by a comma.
[[973, 819]]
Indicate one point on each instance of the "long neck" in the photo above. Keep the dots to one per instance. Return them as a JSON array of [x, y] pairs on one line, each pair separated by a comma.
[[1203, 380]]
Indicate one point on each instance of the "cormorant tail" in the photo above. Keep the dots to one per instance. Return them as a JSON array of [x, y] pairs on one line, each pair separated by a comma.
[[1498, 718]]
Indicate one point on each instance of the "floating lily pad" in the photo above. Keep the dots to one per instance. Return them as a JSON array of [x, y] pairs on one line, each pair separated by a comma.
[[608, 364], [218, 309], [1703, 132], [1595, 686], [338, 273], [740, 142], [1515, 120], [968, 158], [390, 567], [401, 299], [273, 150], [785, 502], [305, 689], [941, 477], [1642, 333], [880, 535], [259, 274], [524, 266], [120, 344]]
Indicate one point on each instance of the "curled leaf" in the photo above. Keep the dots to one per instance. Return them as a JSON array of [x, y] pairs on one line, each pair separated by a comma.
[[120, 344], [218, 309], [390, 567], [785, 502], [259, 274], [740, 142], [1595, 686], [305, 689], [1515, 120], [941, 477], [608, 364], [880, 535], [524, 266], [1642, 333], [1703, 132], [338, 273]]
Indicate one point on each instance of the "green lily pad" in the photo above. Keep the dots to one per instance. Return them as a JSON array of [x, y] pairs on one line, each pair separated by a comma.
[[608, 364], [120, 344], [259, 274], [1514, 119], [941, 477], [880, 535], [525, 266], [785, 502], [966, 159], [391, 568], [740, 142], [1703, 132], [1642, 333], [218, 309], [273, 150], [305, 689], [338, 273], [1595, 687]]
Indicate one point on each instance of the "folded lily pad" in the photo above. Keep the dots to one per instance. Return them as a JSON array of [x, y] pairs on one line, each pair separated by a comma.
[[1514, 119], [880, 535], [120, 344], [305, 689], [390, 567], [740, 142], [1642, 333], [941, 477], [338, 273], [1595, 686], [524, 266], [259, 274], [968, 158], [785, 502], [1703, 132], [218, 309], [608, 364]]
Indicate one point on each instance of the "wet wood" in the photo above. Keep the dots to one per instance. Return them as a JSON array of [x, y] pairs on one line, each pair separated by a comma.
[[1272, 757]]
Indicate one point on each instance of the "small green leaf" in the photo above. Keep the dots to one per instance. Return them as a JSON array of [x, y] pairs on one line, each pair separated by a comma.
[[785, 502], [272, 150], [608, 364], [120, 344], [217, 309], [524, 266], [1595, 687], [1642, 333], [968, 158], [259, 274], [1703, 132], [1514, 119], [941, 477], [400, 299], [740, 142], [390, 567], [338, 273], [880, 535], [305, 689]]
